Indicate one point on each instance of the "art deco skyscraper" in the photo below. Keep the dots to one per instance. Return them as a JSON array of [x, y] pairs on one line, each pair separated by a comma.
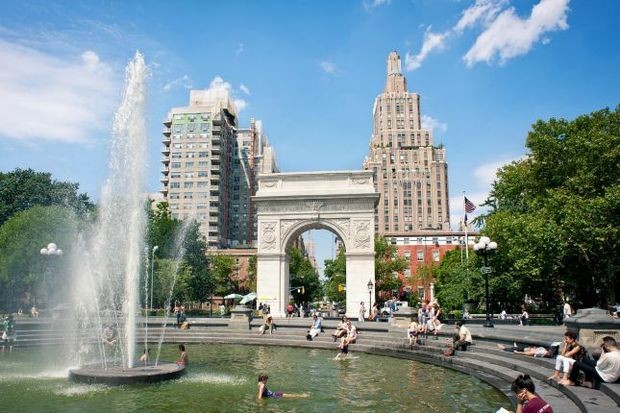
[[411, 173]]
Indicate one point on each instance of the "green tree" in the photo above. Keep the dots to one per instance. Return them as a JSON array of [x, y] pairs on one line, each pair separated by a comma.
[[251, 280], [303, 274], [24, 272], [457, 283], [200, 283], [222, 269], [556, 213], [335, 274], [163, 230], [22, 189], [171, 281], [387, 266]]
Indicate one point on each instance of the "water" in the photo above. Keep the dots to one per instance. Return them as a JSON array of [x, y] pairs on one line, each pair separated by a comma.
[[106, 273], [222, 378]]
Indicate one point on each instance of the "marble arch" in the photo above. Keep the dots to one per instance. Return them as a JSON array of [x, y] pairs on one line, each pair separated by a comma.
[[289, 204]]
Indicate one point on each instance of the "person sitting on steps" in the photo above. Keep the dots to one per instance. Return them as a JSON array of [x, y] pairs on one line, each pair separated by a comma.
[[341, 330], [315, 328]]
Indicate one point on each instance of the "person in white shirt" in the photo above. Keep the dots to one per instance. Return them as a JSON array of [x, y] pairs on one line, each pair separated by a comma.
[[606, 369], [462, 339], [568, 311], [315, 329]]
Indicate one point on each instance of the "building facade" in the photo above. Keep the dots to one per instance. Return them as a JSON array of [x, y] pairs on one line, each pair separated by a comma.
[[411, 173], [210, 167], [423, 250]]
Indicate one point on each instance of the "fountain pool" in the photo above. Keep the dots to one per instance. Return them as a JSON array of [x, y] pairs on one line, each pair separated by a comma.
[[222, 378]]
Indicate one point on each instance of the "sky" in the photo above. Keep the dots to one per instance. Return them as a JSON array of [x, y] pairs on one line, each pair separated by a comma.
[[310, 70]]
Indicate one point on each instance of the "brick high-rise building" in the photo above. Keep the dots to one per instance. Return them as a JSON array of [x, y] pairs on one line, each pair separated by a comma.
[[411, 173]]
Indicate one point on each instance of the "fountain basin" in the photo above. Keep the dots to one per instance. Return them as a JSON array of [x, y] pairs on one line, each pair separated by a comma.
[[123, 375]]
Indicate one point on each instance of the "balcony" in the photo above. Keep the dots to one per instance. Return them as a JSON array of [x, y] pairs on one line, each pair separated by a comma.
[[165, 170], [165, 150], [165, 160], [167, 122], [166, 140], [164, 180], [166, 131]]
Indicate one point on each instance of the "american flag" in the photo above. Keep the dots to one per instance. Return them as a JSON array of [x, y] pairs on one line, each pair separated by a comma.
[[469, 206]]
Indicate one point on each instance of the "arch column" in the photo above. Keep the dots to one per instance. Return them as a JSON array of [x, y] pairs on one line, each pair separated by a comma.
[[360, 270]]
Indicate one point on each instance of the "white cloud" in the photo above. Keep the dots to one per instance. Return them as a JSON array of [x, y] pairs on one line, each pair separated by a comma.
[[504, 34], [431, 41], [327, 67], [509, 36], [481, 11], [184, 81], [429, 122], [371, 4], [43, 96], [221, 89], [244, 89], [457, 207], [240, 48]]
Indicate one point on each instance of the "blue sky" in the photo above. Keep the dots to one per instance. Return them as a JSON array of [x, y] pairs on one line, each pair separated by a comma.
[[486, 70]]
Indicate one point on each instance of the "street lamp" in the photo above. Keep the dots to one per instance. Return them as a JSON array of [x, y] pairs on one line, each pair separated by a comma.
[[484, 248], [51, 250], [155, 248], [369, 285]]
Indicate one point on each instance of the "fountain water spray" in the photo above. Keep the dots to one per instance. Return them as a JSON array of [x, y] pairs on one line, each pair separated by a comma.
[[108, 279]]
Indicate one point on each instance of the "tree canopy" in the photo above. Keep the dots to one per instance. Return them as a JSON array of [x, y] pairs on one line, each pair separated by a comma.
[[22, 189], [555, 214]]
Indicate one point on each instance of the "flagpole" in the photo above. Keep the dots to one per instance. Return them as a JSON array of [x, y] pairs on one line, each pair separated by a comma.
[[466, 237]]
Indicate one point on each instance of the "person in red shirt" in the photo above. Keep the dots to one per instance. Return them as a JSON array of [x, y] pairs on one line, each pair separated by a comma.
[[527, 400]]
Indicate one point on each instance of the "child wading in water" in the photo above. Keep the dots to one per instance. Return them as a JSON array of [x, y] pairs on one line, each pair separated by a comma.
[[263, 392]]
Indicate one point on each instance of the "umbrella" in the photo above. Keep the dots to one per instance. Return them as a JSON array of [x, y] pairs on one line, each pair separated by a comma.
[[248, 298], [233, 297]]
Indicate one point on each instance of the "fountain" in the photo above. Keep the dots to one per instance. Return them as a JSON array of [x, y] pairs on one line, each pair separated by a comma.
[[106, 288]]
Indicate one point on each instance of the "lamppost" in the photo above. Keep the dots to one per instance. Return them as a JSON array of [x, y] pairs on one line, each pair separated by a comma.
[[369, 285], [155, 248], [51, 250], [484, 248]]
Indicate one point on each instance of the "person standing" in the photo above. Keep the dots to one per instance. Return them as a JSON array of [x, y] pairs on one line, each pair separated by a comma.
[[525, 317], [527, 400], [567, 310], [362, 312]]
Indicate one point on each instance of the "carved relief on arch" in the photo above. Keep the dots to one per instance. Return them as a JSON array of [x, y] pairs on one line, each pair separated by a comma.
[[286, 225], [268, 236], [343, 224], [361, 234]]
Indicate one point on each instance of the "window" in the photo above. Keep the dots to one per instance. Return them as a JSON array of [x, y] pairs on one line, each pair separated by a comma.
[[420, 256], [203, 154], [188, 185], [202, 174], [189, 164], [175, 184], [188, 195], [175, 165], [436, 255], [204, 127], [191, 127], [175, 155], [178, 128], [421, 293]]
